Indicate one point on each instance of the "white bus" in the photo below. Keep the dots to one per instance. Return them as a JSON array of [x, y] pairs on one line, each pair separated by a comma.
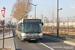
[[30, 29]]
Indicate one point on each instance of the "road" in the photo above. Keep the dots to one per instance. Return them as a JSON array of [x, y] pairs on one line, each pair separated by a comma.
[[46, 44]]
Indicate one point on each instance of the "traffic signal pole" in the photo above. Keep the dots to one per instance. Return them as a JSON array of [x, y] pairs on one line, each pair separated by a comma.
[[3, 33], [3, 12]]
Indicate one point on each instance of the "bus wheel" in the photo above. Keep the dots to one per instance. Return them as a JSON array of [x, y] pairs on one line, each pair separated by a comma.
[[21, 40]]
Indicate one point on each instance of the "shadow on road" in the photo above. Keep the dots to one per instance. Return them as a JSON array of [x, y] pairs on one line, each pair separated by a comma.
[[33, 41], [46, 40], [49, 40], [18, 49]]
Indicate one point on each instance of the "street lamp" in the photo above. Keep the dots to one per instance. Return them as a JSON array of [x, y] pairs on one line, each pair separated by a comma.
[[4, 8], [35, 8], [58, 17], [3, 28]]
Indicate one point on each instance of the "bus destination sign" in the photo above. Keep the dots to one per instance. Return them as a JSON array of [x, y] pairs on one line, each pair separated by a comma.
[[32, 20]]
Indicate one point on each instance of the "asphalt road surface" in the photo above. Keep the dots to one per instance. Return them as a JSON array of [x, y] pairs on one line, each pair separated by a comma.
[[46, 44]]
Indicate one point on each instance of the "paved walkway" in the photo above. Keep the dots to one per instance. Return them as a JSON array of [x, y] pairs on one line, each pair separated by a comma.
[[8, 41]]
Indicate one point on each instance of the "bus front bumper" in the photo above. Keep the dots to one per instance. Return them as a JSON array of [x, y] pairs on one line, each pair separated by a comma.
[[27, 38]]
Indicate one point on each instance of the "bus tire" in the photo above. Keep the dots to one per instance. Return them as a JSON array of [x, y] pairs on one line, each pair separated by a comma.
[[18, 36], [21, 39]]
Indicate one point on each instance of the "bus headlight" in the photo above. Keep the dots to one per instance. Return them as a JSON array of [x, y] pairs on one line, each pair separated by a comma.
[[23, 34], [41, 35]]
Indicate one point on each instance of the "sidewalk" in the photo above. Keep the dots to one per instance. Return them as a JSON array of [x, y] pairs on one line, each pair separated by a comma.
[[8, 41]]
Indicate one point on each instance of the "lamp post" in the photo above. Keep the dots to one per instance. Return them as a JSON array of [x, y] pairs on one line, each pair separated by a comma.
[[3, 28], [58, 17], [35, 8]]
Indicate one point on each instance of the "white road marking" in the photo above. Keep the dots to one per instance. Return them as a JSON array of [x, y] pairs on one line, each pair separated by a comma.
[[45, 45], [39, 43]]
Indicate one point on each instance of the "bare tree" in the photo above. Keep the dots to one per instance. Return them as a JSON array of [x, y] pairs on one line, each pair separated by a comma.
[[21, 9], [52, 16]]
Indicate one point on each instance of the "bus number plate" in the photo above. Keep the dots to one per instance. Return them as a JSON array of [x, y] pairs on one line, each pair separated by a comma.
[[32, 39]]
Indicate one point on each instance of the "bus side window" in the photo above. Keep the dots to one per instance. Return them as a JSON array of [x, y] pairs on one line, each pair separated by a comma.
[[20, 27], [24, 27]]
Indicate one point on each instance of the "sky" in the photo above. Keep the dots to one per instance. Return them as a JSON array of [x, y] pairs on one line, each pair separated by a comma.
[[8, 4], [44, 7]]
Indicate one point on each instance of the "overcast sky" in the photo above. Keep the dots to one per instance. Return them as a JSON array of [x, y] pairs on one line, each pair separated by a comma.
[[43, 7]]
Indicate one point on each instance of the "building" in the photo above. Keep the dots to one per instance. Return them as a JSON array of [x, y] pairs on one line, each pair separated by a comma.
[[61, 24]]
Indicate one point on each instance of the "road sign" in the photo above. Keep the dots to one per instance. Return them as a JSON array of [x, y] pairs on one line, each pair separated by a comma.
[[3, 12]]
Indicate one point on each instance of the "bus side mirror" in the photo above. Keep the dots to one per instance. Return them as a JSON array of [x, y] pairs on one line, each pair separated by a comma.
[[42, 24]]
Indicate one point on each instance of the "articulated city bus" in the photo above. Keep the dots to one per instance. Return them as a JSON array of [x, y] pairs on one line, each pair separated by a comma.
[[29, 29]]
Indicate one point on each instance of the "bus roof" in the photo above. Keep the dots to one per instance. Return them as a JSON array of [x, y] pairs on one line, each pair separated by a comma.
[[29, 20]]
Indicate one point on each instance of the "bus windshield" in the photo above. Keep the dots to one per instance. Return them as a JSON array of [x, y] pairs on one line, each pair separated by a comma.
[[33, 27]]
